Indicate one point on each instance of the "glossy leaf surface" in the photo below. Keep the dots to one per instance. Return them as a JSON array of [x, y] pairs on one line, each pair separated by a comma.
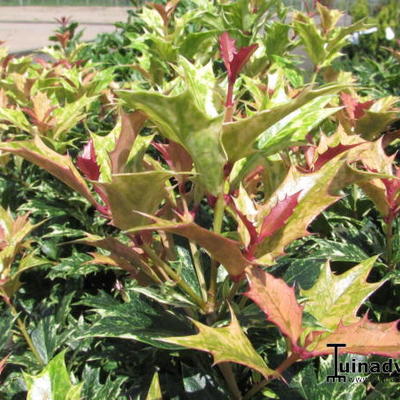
[[226, 344]]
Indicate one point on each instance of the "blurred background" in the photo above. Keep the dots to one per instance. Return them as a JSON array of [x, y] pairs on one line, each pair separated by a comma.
[[25, 25], [342, 4]]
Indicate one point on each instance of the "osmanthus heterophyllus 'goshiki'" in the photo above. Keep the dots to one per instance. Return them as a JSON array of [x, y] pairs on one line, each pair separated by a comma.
[[242, 137]]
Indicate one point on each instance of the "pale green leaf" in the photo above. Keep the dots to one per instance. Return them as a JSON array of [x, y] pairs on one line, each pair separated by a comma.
[[179, 119], [293, 129], [155, 389], [337, 298], [53, 382], [15, 118], [312, 40], [318, 191], [238, 137], [226, 344], [127, 193], [69, 115]]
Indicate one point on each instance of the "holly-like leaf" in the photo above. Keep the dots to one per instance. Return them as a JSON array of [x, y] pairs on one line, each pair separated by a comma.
[[374, 158], [277, 300], [318, 190], [234, 59], [353, 107], [222, 249], [131, 124], [278, 215], [69, 115], [226, 344], [121, 255], [94, 390], [58, 165], [293, 129], [238, 137], [127, 193], [180, 119], [201, 83], [311, 38], [15, 118], [376, 119], [337, 298], [53, 382], [87, 163], [362, 337], [136, 319], [330, 153], [329, 17]]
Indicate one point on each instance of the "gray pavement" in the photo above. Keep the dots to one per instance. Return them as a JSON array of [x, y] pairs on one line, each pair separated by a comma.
[[28, 28]]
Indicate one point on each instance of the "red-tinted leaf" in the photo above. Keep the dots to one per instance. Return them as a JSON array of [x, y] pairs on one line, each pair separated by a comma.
[[122, 255], [246, 222], [63, 38], [278, 301], [6, 61], [361, 107], [234, 59], [392, 187], [56, 164], [64, 21], [3, 241], [224, 250], [228, 50], [177, 158], [240, 59], [87, 162], [354, 109], [332, 152], [363, 337], [3, 363], [131, 124], [278, 215]]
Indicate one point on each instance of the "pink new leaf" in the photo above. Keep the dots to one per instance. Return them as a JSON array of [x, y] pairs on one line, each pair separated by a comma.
[[87, 162], [234, 59], [331, 153], [278, 301], [392, 187], [241, 58], [246, 222], [278, 215], [354, 109], [363, 337], [3, 363], [228, 51]]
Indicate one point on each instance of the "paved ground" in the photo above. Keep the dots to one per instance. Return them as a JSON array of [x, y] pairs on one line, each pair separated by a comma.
[[28, 28]]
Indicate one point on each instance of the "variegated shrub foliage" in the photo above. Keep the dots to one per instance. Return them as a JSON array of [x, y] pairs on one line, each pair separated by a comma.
[[223, 153]]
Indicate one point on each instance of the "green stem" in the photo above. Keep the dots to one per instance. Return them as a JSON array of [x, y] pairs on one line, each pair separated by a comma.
[[229, 376], [242, 302], [285, 365], [234, 288], [199, 270], [25, 334], [174, 276], [315, 74], [218, 217]]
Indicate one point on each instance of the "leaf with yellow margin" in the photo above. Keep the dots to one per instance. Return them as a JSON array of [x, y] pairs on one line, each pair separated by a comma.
[[226, 344]]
